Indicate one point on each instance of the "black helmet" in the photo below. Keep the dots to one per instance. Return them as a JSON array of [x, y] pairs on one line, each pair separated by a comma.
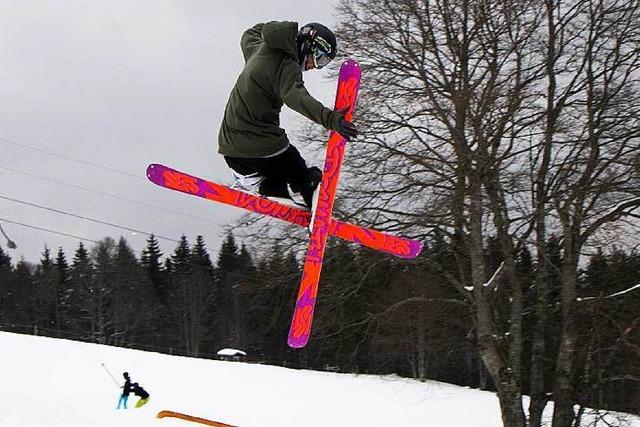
[[125, 374], [318, 40]]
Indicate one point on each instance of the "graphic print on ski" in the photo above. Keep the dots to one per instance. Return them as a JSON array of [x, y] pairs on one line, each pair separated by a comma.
[[346, 94], [172, 179]]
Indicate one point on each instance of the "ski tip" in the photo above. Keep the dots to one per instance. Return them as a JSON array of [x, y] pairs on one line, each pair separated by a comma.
[[415, 248], [351, 63], [406, 249], [350, 66], [154, 172]]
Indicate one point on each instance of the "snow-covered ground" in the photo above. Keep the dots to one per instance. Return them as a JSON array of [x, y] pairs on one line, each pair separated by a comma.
[[59, 383]]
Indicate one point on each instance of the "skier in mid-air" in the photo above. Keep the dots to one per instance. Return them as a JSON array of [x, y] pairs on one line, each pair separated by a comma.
[[250, 138]]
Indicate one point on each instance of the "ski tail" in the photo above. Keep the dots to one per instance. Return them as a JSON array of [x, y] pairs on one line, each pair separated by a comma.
[[185, 417]]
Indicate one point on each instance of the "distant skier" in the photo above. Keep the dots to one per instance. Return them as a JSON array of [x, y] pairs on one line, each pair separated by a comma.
[[250, 138], [141, 393], [126, 389]]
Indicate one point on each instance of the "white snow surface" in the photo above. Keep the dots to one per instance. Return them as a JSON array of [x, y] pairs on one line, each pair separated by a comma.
[[60, 383]]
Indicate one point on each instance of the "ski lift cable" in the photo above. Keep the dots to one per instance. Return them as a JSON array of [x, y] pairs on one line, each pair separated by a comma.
[[104, 193], [97, 221], [48, 230], [51, 153]]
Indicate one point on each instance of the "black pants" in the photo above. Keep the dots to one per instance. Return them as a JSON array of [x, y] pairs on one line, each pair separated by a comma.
[[286, 168]]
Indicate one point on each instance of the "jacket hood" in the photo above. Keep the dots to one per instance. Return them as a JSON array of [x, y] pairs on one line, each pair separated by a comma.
[[281, 36]]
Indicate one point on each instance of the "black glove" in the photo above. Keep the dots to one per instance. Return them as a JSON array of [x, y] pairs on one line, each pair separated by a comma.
[[345, 128]]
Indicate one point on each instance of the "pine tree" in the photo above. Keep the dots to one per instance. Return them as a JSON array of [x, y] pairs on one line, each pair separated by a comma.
[[81, 301], [228, 270], [204, 308], [244, 278], [62, 290], [5, 277], [150, 260], [46, 263], [228, 258], [200, 256], [46, 292], [5, 259], [19, 298], [62, 267], [269, 295], [134, 300], [179, 284], [181, 256], [103, 288]]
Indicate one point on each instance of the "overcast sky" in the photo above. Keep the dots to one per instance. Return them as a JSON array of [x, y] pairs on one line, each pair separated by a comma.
[[121, 84]]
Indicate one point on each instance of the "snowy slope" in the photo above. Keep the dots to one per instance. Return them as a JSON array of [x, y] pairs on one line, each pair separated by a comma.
[[59, 383]]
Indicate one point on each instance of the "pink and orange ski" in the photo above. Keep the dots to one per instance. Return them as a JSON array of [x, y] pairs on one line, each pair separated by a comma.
[[172, 179], [347, 93]]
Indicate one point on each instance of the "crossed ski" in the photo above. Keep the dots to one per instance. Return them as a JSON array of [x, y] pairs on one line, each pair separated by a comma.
[[323, 225]]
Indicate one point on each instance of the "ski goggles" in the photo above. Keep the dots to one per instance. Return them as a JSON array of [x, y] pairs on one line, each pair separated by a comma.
[[321, 52], [320, 58]]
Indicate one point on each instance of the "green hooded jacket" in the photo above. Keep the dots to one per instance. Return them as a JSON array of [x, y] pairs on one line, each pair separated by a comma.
[[271, 77]]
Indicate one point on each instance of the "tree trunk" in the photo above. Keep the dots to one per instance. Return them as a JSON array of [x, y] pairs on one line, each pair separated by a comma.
[[510, 398], [563, 391], [505, 374]]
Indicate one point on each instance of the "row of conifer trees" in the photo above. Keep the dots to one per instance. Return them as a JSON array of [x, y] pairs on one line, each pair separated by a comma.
[[375, 314]]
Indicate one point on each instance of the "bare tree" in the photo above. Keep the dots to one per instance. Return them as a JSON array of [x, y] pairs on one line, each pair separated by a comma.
[[499, 118], [449, 104]]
